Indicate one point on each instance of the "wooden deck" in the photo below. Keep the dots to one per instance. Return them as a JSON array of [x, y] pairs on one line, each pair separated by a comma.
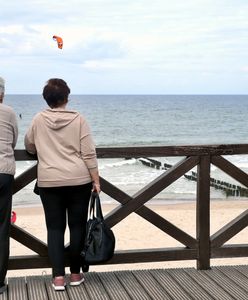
[[225, 282]]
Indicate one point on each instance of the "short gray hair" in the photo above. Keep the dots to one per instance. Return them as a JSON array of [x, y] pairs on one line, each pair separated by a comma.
[[2, 85]]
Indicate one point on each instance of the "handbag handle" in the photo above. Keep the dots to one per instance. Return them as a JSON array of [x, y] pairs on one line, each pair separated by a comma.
[[95, 206]]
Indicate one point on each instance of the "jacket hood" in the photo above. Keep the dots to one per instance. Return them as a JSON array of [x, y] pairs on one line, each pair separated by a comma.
[[58, 118]]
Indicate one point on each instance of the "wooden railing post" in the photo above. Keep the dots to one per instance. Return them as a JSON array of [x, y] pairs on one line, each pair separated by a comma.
[[203, 213]]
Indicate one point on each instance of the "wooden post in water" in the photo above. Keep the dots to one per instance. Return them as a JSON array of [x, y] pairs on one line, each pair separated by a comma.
[[203, 213]]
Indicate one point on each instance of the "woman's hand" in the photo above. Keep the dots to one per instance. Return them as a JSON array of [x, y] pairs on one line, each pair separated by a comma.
[[96, 187], [95, 180]]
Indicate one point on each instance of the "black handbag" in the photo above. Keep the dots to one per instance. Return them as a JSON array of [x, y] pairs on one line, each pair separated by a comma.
[[100, 240]]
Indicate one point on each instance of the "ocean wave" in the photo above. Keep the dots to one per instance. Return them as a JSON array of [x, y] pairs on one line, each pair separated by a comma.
[[131, 161]]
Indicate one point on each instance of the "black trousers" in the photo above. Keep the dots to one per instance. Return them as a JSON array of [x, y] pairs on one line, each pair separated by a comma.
[[62, 205], [6, 182]]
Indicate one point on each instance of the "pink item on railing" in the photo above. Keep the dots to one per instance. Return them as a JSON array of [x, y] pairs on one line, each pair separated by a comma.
[[13, 217]]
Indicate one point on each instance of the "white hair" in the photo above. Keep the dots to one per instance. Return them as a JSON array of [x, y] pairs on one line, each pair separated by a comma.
[[2, 85]]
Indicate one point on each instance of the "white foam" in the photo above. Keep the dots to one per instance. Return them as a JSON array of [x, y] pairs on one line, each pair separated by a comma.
[[118, 163]]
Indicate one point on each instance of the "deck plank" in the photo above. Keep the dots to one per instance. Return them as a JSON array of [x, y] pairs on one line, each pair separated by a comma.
[[190, 284], [36, 288], [228, 284], [203, 278], [77, 292], [132, 286], [172, 287], [151, 285], [238, 277], [17, 289], [3, 296], [242, 269], [94, 287], [113, 286]]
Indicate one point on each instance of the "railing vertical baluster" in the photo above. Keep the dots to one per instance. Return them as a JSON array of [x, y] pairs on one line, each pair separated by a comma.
[[203, 213]]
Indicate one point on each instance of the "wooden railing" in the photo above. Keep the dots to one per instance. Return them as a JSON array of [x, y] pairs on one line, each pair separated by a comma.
[[202, 248]]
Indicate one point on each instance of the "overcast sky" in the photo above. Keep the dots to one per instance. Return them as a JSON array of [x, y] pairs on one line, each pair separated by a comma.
[[126, 46]]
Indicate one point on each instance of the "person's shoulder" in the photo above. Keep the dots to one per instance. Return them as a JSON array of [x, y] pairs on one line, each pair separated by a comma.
[[82, 118], [37, 117], [7, 109]]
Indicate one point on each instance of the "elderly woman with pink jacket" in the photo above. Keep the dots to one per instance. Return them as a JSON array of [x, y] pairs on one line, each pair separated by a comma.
[[67, 173]]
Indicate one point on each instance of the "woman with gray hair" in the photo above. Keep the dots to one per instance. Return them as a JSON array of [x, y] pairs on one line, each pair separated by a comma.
[[8, 139]]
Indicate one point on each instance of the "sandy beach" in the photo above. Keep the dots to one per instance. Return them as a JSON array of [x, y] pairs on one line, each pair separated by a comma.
[[136, 233]]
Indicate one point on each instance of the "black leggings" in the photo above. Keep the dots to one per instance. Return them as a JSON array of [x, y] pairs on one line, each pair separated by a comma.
[[6, 181], [61, 204]]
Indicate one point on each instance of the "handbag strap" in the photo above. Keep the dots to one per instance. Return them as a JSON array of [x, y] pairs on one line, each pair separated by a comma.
[[98, 207], [91, 210], [95, 206]]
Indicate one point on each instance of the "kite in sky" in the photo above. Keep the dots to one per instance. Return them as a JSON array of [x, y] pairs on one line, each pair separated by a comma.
[[59, 41]]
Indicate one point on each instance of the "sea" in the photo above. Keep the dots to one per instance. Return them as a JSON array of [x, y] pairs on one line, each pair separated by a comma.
[[146, 120]]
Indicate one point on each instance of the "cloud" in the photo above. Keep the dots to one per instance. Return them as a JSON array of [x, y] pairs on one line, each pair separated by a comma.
[[163, 37]]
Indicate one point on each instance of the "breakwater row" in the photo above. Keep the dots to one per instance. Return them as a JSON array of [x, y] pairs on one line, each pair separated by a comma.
[[228, 188]]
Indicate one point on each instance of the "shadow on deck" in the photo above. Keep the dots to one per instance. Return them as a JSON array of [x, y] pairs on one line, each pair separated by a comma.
[[225, 282]]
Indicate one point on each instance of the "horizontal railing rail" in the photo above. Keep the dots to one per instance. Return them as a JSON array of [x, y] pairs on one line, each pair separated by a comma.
[[201, 248]]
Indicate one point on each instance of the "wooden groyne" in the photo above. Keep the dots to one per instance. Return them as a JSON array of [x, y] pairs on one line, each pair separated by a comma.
[[228, 188]]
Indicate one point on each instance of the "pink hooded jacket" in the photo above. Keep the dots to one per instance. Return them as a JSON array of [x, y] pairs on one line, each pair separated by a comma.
[[64, 146]]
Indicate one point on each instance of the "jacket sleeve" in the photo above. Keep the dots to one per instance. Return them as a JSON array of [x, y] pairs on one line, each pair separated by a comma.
[[29, 139], [87, 146]]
